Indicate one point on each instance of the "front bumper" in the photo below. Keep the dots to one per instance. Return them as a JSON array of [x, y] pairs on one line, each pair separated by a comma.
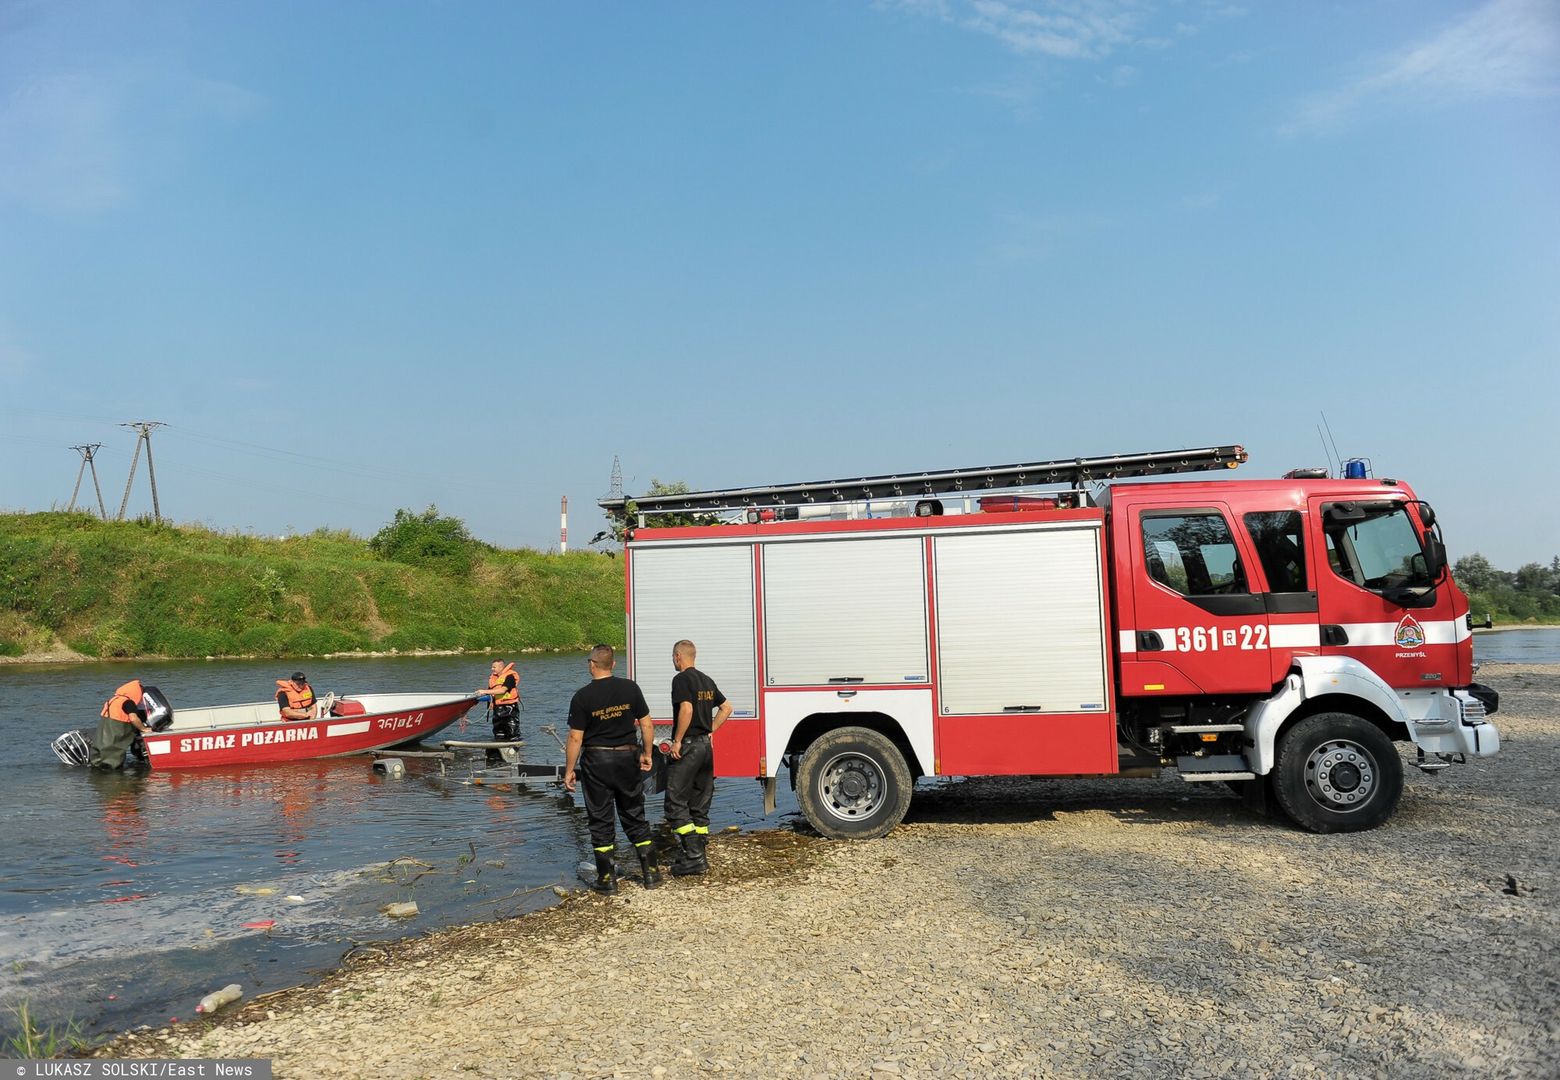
[[1457, 722]]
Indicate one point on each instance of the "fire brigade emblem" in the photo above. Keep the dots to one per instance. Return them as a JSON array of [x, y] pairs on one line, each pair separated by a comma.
[[1410, 635]]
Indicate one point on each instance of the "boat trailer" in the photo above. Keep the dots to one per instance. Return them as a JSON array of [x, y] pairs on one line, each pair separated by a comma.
[[511, 772]]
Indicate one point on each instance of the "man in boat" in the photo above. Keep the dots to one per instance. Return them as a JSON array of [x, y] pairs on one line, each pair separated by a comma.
[[295, 697], [700, 708], [504, 688], [602, 718], [123, 718]]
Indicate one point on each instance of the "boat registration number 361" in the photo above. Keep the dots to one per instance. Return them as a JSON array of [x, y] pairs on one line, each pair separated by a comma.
[[399, 723], [1213, 638]]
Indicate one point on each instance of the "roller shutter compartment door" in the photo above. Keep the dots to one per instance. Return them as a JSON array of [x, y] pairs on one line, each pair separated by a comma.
[[1019, 622], [845, 609], [704, 594]]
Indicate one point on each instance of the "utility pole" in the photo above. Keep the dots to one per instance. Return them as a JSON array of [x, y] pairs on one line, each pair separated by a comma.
[[88, 452], [617, 479], [144, 429]]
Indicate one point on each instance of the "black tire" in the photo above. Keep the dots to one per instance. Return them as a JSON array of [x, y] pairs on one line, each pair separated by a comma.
[[1336, 772], [853, 784]]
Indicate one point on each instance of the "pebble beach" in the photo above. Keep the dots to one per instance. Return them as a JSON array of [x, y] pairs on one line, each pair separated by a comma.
[[1139, 928]]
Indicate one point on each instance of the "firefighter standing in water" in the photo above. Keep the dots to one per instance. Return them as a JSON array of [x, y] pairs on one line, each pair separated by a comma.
[[700, 708], [504, 688], [602, 718], [295, 697], [123, 717]]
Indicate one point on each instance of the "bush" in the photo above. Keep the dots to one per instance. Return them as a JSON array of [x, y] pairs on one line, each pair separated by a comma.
[[263, 640], [315, 640], [425, 635], [190, 641], [427, 540], [111, 640]]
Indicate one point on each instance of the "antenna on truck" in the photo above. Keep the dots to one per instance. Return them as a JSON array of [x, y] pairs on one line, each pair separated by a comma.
[[1073, 471]]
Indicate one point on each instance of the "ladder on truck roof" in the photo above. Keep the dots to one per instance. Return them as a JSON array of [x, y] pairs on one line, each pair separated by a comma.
[[1074, 471]]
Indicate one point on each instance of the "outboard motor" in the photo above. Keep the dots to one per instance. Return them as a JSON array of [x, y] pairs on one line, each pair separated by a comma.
[[72, 748], [159, 713], [75, 747]]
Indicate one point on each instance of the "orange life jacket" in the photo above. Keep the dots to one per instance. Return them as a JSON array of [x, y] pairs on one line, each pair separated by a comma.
[[296, 699], [130, 693], [502, 695]]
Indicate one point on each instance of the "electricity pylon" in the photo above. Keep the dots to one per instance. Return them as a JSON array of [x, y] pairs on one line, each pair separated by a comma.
[[88, 452], [144, 429]]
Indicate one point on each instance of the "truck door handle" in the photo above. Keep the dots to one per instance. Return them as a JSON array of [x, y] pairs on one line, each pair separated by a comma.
[[1150, 641], [1334, 635], [845, 693], [846, 678], [1022, 708]]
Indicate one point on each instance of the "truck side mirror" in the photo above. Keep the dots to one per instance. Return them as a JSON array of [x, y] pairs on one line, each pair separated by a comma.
[[1435, 558]]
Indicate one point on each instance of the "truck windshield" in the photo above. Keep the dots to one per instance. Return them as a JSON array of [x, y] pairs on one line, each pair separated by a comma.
[[1379, 551]]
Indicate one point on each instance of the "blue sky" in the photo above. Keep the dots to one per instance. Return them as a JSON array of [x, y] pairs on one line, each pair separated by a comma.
[[360, 256]]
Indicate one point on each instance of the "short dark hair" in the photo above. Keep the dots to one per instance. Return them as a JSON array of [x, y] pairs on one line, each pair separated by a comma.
[[603, 657]]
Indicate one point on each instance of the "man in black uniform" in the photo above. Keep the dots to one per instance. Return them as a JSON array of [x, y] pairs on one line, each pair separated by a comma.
[[602, 718], [700, 708]]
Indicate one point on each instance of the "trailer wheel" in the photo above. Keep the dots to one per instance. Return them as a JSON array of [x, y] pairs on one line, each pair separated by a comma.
[[853, 784], [1335, 772]]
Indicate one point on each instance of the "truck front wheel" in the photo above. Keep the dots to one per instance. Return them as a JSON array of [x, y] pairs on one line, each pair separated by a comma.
[[1336, 772], [853, 784]]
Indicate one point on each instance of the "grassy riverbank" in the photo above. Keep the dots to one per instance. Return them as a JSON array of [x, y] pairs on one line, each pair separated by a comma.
[[121, 589]]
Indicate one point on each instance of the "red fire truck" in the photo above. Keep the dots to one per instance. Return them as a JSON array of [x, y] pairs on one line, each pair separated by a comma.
[[1275, 635]]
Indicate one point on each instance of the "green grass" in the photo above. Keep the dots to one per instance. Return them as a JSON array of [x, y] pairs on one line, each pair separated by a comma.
[[120, 589], [31, 1041]]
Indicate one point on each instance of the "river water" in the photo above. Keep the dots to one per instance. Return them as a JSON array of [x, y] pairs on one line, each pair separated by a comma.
[[1540, 645], [124, 899]]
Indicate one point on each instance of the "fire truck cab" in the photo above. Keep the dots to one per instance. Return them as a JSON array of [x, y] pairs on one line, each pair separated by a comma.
[[1277, 635]]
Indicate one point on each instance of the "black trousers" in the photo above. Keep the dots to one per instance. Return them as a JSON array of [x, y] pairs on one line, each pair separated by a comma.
[[506, 723], [610, 779], [690, 785]]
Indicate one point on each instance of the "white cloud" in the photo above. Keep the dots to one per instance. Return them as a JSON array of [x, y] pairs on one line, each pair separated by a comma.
[[1506, 48], [1063, 29], [1031, 238], [1121, 76], [73, 143]]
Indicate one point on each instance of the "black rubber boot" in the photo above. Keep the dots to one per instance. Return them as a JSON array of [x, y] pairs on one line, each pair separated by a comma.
[[650, 875], [606, 874], [690, 860]]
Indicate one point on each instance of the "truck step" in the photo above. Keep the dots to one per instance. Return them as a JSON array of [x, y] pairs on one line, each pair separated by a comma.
[[1199, 778], [1198, 729], [1213, 763]]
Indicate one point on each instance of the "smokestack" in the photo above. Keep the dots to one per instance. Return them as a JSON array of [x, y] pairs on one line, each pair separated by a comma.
[[563, 527]]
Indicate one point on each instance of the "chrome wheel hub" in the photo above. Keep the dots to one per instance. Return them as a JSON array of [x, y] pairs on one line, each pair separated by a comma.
[[1340, 775], [852, 786]]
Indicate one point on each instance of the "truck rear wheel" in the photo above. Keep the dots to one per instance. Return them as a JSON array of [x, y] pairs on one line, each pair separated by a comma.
[[853, 784], [1336, 772]]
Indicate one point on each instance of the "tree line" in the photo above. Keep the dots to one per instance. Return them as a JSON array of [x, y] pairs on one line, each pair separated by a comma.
[[1530, 593]]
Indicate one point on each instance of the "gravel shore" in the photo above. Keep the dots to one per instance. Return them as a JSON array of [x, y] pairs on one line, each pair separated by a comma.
[[1022, 928]]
